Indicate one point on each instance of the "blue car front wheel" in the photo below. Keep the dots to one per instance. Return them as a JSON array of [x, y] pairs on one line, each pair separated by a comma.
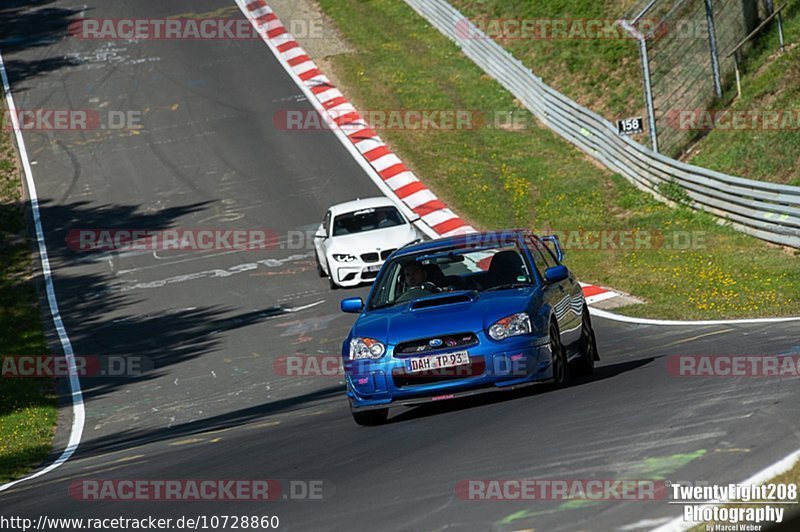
[[588, 346], [561, 370]]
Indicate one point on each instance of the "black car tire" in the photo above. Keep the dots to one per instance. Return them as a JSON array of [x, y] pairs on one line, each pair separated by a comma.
[[589, 353], [320, 271], [561, 370], [371, 418]]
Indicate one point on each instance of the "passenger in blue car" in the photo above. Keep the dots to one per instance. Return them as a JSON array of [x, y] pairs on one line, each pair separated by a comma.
[[506, 268]]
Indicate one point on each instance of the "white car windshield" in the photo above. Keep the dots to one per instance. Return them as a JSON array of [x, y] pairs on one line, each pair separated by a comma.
[[367, 220]]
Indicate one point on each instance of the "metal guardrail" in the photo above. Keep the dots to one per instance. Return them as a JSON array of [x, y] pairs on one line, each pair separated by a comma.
[[765, 210]]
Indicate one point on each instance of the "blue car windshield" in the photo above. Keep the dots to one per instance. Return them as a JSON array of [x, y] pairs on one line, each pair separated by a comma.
[[412, 277]]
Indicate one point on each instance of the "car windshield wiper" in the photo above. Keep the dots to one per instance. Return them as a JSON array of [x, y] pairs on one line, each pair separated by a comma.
[[508, 286]]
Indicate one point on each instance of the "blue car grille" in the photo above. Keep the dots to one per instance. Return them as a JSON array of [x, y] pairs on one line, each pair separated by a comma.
[[435, 343]]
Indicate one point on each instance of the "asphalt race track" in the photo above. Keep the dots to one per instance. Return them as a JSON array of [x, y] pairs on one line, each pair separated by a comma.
[[213, 323]]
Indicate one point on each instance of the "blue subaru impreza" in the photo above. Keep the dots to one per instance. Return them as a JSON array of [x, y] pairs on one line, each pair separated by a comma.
[[464, 315]]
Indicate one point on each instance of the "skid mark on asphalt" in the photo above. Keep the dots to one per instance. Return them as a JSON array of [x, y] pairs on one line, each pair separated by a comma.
[[591, 458], [190, 441], [657, 468], [565, 506], [263, 425], [691, 339], [222, 12], [208, 274], [96, 469], [123, 460], [652, 468]]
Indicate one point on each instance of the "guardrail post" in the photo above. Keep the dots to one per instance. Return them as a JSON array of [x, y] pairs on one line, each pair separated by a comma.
[[712, 42], [648, 94], [738, 74], [648, 85]]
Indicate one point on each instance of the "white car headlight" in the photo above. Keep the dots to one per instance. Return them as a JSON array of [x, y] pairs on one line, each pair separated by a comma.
[[341, 257], [513, 325], [365, 348]]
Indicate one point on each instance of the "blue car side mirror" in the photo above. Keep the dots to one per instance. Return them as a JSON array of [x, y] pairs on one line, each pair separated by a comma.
[[556, 274], [352, 305]]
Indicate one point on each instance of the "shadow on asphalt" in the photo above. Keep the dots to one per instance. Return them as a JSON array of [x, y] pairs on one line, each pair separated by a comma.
[[98, 322], [600, 373], [131, 439], [28, 24]]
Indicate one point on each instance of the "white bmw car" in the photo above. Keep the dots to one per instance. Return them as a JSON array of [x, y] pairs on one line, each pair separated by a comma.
[[357, 237]]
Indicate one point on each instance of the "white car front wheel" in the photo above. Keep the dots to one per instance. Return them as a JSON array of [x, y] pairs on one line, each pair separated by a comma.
[[320, 271]]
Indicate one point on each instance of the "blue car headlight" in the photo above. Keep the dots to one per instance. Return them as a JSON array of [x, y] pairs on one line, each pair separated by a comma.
[[366, 348], [513, 325]]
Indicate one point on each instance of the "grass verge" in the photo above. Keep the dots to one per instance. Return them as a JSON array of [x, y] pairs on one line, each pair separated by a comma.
[[27, 406], [527, 177], [601, 74]]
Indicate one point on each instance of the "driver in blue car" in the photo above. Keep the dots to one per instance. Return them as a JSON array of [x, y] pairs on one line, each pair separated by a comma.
[[425, 277], [415, 275]]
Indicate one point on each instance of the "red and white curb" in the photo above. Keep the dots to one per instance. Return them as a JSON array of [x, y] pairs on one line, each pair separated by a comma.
[[384, 167], [595, 294]]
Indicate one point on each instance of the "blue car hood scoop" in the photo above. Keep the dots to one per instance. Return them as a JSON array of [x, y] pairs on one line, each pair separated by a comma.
[[443, 299]]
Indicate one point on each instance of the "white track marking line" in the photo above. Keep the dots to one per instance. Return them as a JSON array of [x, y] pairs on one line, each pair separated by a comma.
[[646, 321], [78, 408]]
